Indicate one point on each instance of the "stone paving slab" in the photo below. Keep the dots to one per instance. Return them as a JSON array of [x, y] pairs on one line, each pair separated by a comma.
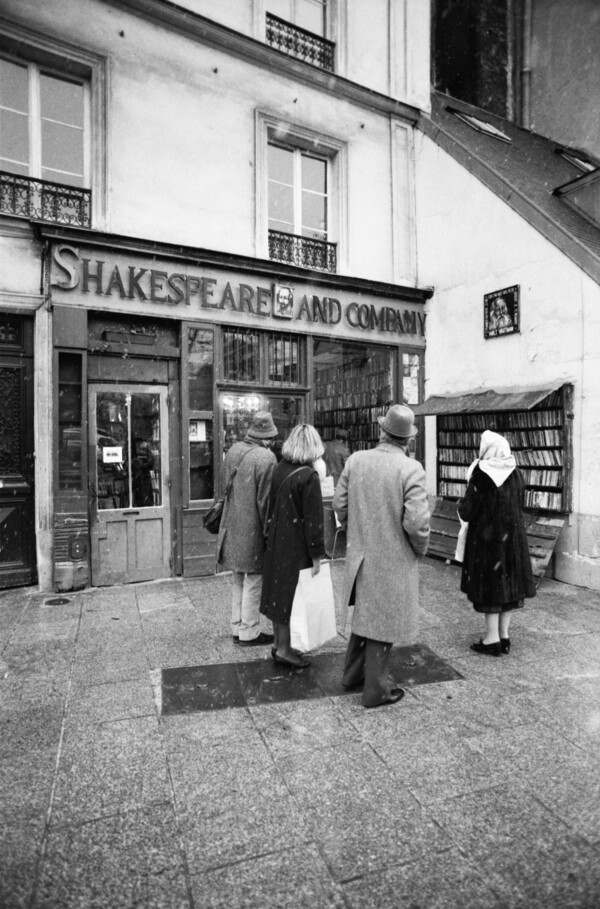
[[479, 789]]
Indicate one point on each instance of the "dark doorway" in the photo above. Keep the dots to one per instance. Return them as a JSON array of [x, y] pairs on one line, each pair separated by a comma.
[[17, 527]]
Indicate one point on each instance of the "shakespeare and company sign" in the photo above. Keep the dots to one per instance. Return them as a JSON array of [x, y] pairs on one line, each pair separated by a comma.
[[130, 283]]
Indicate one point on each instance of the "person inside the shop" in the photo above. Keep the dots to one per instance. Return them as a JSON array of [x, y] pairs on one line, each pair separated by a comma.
[[381, 502], [336, 454], [241, 540], [295, 538], [496, 574]]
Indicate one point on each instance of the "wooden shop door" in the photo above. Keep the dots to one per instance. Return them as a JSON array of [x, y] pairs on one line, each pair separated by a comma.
[[129, 483]]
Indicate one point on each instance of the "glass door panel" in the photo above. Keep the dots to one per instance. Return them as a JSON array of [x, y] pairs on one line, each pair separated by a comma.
[[128, 450]]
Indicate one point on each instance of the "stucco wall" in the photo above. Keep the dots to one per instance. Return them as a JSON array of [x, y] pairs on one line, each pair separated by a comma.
[[471, 243]]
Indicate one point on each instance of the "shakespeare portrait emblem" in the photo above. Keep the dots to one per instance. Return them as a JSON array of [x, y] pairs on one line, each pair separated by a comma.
[[501, 312], [283, 301]]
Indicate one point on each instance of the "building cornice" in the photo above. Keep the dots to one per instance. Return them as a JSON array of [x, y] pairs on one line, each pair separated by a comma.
[[212, 34], [220, 260]]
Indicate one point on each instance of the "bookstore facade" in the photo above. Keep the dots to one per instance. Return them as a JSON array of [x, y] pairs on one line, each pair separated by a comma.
[[160, 360]]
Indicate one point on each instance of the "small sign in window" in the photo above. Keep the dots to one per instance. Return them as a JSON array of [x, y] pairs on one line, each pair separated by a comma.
[[112, 455]]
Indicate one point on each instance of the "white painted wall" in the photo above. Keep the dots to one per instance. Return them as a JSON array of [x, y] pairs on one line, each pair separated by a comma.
[[471, 243], [181, 134]]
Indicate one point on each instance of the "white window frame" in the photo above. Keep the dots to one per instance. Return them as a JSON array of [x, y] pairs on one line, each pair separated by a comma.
[[323, 146], [32, 48], [34, 74]]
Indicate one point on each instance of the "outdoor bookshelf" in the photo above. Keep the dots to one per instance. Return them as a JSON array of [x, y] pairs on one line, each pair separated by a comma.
[[538, 426], [540, 438]]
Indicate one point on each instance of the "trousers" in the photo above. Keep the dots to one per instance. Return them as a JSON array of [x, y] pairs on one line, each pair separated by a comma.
[[245, 605], [367, 662]]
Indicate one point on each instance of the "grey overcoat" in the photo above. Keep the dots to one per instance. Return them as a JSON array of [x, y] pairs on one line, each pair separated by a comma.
[[242, 535], [381, 500]]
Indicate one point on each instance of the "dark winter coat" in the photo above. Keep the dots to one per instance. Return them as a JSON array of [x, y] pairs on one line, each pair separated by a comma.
[[295, 537], [496, 564], [241, 540]]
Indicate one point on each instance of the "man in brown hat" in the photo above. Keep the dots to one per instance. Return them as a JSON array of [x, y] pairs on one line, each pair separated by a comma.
[[381, 501], [241, 540]]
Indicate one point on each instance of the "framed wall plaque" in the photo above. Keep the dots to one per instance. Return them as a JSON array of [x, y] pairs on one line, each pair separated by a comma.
[[501, 314]]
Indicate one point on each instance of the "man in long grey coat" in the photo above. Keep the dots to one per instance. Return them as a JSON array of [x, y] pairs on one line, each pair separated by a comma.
[[242, 534], [381, 501]]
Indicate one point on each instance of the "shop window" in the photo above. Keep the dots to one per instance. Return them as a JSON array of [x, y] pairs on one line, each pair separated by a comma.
[[354, 384], [70, 422], [298, 28], [200, 372], [241, 355], [237, 410], [52, 124], [268, 358], [283, 356], [412, 394]]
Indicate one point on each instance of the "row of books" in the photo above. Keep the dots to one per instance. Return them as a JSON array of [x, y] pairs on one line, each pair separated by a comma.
[[529, 419], [349, 416], [373, 365], [532, 438], [536, 498], [536, 457], [531, 477], [353, 385], [360, 399]]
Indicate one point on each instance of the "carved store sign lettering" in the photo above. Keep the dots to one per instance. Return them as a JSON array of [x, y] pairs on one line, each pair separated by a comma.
[[102, 278]]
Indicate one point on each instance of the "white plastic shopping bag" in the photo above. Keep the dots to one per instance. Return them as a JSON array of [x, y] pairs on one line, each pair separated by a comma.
[[461, 541], [313, 611]]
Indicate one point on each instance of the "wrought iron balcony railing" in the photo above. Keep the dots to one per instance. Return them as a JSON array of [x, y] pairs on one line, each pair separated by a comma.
[[304, 251], [299, 43], [41, 200]]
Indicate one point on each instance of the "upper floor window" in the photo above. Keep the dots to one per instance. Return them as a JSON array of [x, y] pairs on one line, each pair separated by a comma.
[[43, 117], [299, 28], [299, 207], [44, 142]]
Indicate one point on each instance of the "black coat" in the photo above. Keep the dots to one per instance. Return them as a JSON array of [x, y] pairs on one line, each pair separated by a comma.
[[496, 564], [295, 537]]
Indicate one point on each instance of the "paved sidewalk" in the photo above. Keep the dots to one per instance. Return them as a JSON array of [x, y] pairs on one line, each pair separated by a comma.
[[481, 791]]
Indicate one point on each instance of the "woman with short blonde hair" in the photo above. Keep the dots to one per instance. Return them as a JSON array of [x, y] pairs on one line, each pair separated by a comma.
[[303, 445], [295, 538]]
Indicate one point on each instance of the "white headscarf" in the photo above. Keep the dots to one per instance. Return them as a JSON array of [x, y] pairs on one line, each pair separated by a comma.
[[495, 458]]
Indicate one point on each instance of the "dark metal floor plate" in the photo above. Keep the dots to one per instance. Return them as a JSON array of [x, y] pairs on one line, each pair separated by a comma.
[[191, 689]]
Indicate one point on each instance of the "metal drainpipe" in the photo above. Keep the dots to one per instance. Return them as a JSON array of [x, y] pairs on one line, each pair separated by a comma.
[[526, 66]]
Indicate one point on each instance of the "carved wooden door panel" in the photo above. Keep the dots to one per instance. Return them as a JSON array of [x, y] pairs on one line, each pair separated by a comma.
[[17, 513]]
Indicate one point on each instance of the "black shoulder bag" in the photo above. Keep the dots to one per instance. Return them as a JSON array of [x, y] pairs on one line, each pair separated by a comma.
[[212, 518]]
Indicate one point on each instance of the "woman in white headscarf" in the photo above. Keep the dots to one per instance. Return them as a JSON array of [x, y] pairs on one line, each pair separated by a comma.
[[496, 574]]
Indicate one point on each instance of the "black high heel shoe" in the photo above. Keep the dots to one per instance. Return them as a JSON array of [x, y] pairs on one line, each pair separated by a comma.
[[494, 649], [505, 645]]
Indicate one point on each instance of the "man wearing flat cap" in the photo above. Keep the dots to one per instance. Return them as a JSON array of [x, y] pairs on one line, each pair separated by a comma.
[[381, 501], [242, 534]]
